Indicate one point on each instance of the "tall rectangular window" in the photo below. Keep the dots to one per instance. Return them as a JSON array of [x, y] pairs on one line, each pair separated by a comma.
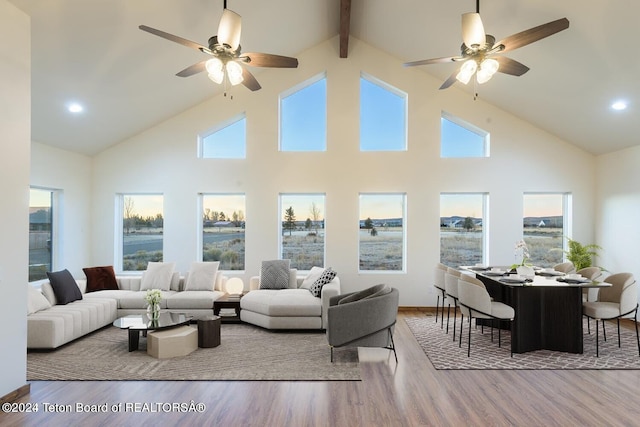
[[142, 230], [463, 228], [543, 227], [303, 116], [302, 229], [223, 230], [41, 233], [382, 232], [383, 116], [459, 138], [226, 141]]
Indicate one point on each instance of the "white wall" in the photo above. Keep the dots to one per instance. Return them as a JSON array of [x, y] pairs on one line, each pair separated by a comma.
[[70, 174], [15, 134], [618, 209], [163, 159]]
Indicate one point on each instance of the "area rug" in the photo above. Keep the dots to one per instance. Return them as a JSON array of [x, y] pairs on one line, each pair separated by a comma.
[[444, 353], [245, 353]]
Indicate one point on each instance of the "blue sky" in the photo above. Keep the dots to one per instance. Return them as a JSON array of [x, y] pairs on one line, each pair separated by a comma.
[[458, 141]]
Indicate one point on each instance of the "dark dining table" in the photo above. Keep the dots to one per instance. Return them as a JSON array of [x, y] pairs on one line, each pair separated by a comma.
[[548, 308]]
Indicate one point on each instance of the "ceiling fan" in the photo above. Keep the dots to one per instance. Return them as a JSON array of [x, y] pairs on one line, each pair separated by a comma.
[[228, 62], [478, 49]]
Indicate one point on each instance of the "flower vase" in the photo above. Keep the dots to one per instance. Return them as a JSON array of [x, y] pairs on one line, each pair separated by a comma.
[[153, 311]]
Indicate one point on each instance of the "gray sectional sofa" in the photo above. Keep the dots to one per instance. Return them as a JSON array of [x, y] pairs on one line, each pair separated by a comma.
[[50, 325]]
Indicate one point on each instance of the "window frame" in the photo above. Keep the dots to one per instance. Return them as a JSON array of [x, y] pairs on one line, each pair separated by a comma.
[[281, 231], [293, 90], [200, 238], [485, 135], [403, 269], [119, 227], [56, 199], [394, 91], [219, 127], [485, 200]]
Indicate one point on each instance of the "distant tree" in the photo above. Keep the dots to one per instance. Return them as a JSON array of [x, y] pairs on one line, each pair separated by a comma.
[[222, 217], [240, 218], [368, 224], [315, 214], [207, 212], [307, 224], [158, 221], [468, 224], [213, 216], [373, 231], [289, 219], [129, 215]]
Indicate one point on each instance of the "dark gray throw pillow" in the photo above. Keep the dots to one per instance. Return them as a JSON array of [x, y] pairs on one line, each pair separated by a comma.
[[275, 274], [64, 286], [326, 277]]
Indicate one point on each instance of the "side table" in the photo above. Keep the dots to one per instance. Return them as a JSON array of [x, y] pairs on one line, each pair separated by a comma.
[[209, 331], [228, 301]]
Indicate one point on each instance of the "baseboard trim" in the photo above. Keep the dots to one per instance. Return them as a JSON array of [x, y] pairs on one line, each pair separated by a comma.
[[16, 394]]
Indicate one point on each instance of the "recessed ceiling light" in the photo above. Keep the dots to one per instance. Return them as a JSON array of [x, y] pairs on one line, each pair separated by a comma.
[[619, 105], [74, 107]]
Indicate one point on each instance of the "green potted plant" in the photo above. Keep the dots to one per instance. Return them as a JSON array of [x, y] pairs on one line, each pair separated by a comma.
[[581, 255]]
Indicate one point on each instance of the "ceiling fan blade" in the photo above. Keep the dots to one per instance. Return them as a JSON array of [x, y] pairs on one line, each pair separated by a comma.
[[534, 34], [432, 61], [176, 39], [193, 69], [230, 28], [472, 30], [249, 80], [269, 60], [510, 66], [451, 80]]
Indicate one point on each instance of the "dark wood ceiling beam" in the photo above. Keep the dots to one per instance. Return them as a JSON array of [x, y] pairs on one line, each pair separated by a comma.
[[345, 20]]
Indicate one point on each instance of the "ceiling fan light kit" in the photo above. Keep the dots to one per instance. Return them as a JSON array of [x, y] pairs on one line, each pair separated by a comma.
[[228, 63], [477, 47]]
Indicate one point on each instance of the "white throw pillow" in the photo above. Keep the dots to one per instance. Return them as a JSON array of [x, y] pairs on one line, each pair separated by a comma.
[[157, 276], [36, 301], [202, 276], [314, 274]]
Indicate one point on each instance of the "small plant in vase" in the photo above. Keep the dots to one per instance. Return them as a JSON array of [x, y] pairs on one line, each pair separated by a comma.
[[153, 298]]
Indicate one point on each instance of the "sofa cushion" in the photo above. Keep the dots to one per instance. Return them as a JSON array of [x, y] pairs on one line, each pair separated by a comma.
[[282, 302], [100, 278], [202, 276], [274, 274], [136, 300], [326, 277], [371, 292], [157, 276], [192, 300], [314, 274], [35, 300], [64, 286]]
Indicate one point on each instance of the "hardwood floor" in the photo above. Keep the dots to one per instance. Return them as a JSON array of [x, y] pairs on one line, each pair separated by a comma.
[[411, 393]]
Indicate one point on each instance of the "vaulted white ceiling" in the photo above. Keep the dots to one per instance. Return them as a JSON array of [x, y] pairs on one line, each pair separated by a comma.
[[94, 53]]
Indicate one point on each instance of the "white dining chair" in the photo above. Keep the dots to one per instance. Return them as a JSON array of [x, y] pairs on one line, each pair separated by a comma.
[[438, 283], [593, 274], [475, 302], [620, 300], [565, 267], [451, 286]]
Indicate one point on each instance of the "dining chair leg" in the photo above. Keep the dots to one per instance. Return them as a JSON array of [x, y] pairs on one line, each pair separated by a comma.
[[469, 344], [455, 312], [635, 322], [589, 325], [618, 320], [597, 338], [442, 312], [448, 310], [437, 305], [460, 334], [604, 331], [499, 341]]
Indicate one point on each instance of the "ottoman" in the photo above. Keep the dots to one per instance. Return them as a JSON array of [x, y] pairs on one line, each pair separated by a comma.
[[174, 342]]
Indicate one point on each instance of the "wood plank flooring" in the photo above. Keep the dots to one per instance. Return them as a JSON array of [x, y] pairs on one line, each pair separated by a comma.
[[411, 393]]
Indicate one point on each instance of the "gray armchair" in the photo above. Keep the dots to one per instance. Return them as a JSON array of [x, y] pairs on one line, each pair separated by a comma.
[[363, 319]]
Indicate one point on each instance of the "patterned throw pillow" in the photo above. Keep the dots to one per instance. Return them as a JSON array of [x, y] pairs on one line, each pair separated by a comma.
[[326, 277], [275, 274]]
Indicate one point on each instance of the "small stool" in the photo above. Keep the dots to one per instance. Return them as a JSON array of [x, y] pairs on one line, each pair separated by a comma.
[[174, 342], [209, 331]]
